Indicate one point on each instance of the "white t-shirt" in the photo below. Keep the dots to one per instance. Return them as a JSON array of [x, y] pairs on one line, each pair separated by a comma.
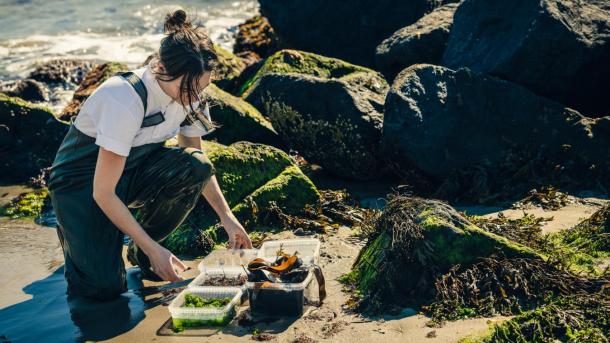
[[112, 114]]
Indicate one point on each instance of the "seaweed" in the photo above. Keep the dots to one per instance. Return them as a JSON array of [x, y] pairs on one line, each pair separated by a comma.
[[191, 300], [526, 230]]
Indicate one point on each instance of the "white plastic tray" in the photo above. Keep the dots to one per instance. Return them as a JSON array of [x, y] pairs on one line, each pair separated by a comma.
[[307, 249], [210, 272], [193, 317], [227, 258]]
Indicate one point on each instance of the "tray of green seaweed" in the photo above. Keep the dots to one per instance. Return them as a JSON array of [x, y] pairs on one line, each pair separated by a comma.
[[204, 306]]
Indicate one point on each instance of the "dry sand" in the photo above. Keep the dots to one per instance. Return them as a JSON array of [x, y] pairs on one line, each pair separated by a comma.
[[31, 252]]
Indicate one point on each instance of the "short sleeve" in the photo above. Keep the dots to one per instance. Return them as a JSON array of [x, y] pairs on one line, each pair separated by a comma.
[[117, 124], [196, 130]]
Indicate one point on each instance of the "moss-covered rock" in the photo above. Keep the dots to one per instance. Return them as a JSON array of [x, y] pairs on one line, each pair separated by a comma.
[[230, 66], [30, 136], [94, 79], [251, 176], [240, 121], [257, 36], [413, 242], [328, 110]]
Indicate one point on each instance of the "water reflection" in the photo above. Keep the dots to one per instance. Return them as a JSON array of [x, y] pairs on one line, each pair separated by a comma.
[[53, 316]]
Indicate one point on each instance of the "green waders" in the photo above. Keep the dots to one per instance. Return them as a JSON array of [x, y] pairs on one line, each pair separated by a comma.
[[163, 183]]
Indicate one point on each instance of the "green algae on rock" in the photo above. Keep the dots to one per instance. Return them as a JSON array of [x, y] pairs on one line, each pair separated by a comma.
[[93, 80], [28, 205], [229, 67], [29, 138], [328, 110], [252, 177], [239, 120], [412, 243]]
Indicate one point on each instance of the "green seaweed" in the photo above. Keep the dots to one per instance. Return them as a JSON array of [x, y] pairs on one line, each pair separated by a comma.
[[29, 205], [191, 300]]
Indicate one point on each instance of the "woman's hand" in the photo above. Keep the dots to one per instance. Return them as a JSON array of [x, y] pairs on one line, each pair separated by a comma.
[[164, 263], [238, 237]]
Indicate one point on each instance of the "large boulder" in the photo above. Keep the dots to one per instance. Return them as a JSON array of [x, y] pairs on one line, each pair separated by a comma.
[[349, 30], [229, 67], [411, 244], [557, 48], [252, 178], [94, 79], [328, 110], [497, 136], [422, 42], [26, 89], [239, 120], [29, 138]]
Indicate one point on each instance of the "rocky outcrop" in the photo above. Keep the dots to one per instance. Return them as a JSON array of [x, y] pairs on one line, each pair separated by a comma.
[[62, 71], [257, 36], [239, 120], [328, 110], [349, 30], [422, 42], [230, 66], [557, 48], [252, 177], [479, 135], [29, 138]]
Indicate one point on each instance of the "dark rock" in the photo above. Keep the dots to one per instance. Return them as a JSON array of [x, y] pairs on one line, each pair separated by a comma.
[[62, 71], [94, 79], [30, 136], [422, 42], [557, 48], [482, 137], [28, 89], [328, 110], [349, 30], [256, 35], [230, 66]]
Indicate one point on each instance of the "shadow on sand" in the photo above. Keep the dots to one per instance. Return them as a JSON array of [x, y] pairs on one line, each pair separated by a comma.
[[53, 316]]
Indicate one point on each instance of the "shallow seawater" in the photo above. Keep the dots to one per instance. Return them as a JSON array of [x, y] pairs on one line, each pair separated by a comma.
[[50, 316], [122, 31]]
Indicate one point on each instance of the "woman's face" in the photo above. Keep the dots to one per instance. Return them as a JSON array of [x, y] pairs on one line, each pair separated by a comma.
[[172, 88]]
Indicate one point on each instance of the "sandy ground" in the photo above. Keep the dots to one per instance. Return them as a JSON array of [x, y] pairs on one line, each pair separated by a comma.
[[31, 252]]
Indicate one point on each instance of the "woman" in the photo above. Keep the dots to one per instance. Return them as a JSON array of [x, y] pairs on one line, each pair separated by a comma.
[[113, 157]]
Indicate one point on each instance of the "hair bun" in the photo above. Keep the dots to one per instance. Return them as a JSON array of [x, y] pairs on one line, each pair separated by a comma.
[[175, 21]]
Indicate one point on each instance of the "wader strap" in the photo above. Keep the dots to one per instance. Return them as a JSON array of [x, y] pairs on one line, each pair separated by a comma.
[[137, 84]]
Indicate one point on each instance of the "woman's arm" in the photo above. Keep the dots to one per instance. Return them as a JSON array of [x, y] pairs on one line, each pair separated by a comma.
[[238, 238], [108, 171]]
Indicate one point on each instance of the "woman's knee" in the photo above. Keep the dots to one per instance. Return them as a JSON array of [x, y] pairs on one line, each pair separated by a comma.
[[202, 167]]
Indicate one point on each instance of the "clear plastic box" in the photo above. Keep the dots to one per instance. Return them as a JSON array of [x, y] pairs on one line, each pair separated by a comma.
[[278, 299], [229, 272], [228, 258], [183, 317], [308, 249]]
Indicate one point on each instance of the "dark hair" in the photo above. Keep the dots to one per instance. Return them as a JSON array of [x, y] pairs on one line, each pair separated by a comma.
[[187, 50]]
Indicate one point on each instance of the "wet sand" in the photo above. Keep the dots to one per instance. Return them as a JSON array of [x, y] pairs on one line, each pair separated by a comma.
[[34, 290]]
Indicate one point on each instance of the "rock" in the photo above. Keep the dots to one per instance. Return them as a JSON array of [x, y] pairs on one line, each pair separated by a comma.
[[230, 66], [27, 89], [256, 35], [557, 48], [93, 80], [413, 242], [422, 42], [483, 137], [240, 121], [30, 137], [328, 110], [62, 71], [251, 176], [348, 30]]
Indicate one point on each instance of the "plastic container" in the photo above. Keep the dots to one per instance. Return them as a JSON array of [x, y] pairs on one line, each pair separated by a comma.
[[278, 299], [183, 317], [308, 249], [227, 258], [229, 272]]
